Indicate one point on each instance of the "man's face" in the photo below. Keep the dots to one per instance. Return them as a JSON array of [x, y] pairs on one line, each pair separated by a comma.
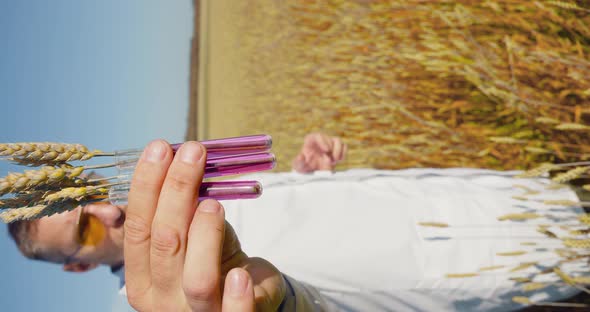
[[84, 241]]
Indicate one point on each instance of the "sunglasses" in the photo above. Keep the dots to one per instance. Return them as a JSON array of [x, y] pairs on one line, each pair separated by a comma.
[[88, 231]]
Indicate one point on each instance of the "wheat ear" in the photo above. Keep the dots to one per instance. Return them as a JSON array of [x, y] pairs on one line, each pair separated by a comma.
[[30, 179], [538, 171], [433, 224], [569, 280], [570, 175], [38, 211], [519, 216], [525, 300], [23, 213], [576, 243], [532, 286], [43, 210], [571, 127], [49, 153], [76, 193]]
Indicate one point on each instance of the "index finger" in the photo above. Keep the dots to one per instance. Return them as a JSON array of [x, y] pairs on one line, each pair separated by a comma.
[[142, 202], [176, 207], [324, 142], [338, 149]]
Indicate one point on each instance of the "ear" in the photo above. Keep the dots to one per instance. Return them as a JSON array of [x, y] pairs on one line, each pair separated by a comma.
[[108, 214], [79, 267]]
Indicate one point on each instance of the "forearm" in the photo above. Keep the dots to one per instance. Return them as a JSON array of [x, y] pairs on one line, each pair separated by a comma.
[[302, 297]]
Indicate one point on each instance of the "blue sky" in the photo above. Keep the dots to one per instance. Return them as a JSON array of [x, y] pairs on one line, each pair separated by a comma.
[[109, 74]]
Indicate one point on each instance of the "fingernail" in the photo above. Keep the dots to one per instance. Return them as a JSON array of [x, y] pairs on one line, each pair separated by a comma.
[[211, 206], [238, 283], [190, 153], [155, 151]]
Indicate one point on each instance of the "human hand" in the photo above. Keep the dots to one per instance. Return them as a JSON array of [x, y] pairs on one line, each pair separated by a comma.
[[181, 255], [319, 152]]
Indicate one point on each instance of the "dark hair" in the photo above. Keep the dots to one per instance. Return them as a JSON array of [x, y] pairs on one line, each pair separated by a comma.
[[22, 232]]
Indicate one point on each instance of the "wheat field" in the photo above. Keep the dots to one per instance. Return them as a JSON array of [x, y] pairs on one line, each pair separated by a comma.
[[490, 84], [500, 84]]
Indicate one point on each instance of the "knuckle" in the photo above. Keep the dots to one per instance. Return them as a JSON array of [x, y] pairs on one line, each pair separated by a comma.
[[211, 202], [165, 241], [142, 183], [137, 298], [180, 183], [220, 228], [201, 289], [134, 300], [137, 230]]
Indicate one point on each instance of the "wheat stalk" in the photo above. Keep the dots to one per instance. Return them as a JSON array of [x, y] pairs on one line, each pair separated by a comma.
[[77, 193], [534, 286], [523, 266], [582, 280], [520, 279], [48, 153], [23, 200], [546, 120], [556, 186], [584, 218], [491, 268], [537, 150], [49, 189], [22, 213], [519, 216], [30, 179], [511, 253], [546, 232], [506, 140], [567, 5], [561, 202], [538, 171], [461, 275], [528, 243], [571, 127], [576, 243], [569, 280], [433, 224], [566, 253], [570, 175], [579, 232], [43, 209], [527, 301], [34, 212]]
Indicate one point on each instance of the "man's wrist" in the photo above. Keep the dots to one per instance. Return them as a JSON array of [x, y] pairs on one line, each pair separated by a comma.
[[289, 302], [300, 296]]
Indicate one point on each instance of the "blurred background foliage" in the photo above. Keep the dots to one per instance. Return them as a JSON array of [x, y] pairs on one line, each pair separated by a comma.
[[492, 84]]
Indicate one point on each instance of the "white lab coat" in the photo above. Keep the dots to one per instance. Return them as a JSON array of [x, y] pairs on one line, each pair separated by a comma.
[[351, 241], [354, 236]]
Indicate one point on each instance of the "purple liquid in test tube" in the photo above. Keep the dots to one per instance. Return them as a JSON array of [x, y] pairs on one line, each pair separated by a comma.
[[224, 190], [230, 156], [239, 164], [234, 146], [230, 190]]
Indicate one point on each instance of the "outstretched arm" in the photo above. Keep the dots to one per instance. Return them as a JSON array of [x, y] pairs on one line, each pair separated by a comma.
[[181, 255]]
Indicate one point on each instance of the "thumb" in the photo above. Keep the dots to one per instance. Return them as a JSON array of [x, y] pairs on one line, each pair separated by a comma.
[[325, 163], [300, 164]]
